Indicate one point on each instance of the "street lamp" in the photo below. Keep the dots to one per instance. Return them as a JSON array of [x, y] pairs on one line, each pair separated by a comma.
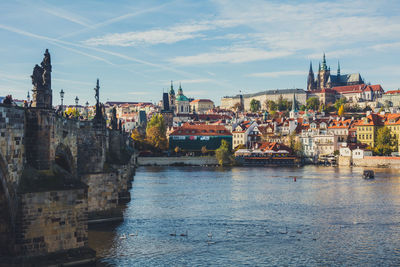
[[76, 105], [62, 100], [28, 97], [87, 110]]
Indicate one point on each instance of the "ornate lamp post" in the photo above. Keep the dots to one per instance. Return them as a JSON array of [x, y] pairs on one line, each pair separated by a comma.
[[87, 110], [28, 97], [62, 100]]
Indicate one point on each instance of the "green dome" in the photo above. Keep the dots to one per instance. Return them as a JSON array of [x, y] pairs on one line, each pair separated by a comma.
[[181, 98]]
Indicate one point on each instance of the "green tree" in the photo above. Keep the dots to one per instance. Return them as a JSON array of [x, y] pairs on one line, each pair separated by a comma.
[[339, 103], [255, 105], [303, 107], [156, 132], [283, 104], [312, 103], [383, 139], [223, 154], [271, 105]]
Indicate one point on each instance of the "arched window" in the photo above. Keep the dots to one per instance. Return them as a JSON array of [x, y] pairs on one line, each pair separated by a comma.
[[181, 108]]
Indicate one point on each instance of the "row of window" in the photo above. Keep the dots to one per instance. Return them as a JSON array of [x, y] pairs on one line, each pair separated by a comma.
[[364, 136], [365, 128]]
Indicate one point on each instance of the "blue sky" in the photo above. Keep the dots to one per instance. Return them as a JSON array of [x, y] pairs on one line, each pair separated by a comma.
[[214, 48]]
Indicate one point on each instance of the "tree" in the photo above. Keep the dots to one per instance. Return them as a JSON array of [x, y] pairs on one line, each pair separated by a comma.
[[238, 107], [341, 111], [339, 103], [283, 104], [298, 148], [156, 132], [72, 112], [223, 153], [312, 103], [204, 150], [321, 107], [255, 105], [136, 136], [383, 139], [292, 140], [303, 107], [271, 105]]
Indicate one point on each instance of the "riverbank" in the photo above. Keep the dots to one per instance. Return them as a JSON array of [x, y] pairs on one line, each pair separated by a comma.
[[177, 161], [371, 161]]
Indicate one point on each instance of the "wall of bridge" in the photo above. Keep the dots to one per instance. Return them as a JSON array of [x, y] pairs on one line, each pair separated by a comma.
[[93, 178]]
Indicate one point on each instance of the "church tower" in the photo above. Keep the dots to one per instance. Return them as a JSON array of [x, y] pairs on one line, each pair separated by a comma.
[[295, 109], [323, 75], [310, 79], [171, 96], [41, 80]]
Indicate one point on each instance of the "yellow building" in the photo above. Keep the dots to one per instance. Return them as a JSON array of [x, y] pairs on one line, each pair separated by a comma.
[[393, 123], [201, 105], [367, 129]]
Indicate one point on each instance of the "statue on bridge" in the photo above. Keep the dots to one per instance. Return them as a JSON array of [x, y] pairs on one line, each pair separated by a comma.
[[98, 117], [114, 120], [41, 81]]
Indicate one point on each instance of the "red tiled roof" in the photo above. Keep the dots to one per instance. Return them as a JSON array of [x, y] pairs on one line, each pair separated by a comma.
[[201, 100], [392, 92], [357, 88], [273, 146]]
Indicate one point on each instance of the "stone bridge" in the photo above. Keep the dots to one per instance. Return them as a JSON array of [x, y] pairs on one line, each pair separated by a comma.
[[56, 175]]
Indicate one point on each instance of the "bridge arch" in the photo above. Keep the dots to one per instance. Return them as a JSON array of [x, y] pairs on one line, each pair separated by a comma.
[[64, 158]]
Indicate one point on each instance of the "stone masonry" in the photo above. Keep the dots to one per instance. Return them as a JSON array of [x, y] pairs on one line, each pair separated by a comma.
[[56, 173]]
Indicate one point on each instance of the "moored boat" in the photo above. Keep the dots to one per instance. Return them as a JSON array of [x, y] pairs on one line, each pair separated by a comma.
[[368, 174]]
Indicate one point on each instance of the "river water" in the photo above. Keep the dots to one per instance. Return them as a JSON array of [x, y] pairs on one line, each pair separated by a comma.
[[256, 217]]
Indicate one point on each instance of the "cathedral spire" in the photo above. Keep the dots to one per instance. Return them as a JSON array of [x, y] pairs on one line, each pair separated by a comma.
[[319, 66], [310, 79], [323, 62], [338, 68]]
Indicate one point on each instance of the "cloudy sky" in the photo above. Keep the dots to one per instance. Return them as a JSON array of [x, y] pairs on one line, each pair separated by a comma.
[[214, 48]]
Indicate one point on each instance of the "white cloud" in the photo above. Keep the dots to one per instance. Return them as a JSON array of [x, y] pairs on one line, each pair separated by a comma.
[[230, 55], [276, 74], [152, 37], [385, 46], [67, 16], [196, 81], [114, 20]]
